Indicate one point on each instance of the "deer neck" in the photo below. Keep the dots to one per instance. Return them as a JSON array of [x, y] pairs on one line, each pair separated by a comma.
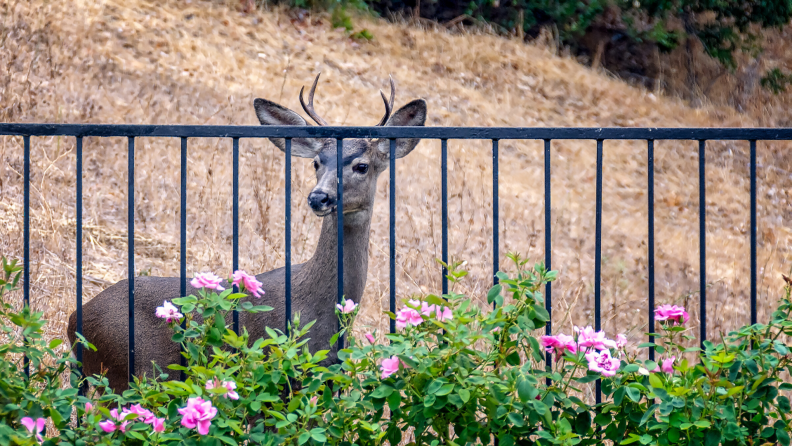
[[322, 268]]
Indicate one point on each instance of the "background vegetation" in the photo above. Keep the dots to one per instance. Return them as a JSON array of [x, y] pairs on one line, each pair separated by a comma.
[[636, 40]]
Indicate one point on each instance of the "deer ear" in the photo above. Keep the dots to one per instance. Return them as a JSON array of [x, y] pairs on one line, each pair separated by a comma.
[[270, 113], [411, 115]]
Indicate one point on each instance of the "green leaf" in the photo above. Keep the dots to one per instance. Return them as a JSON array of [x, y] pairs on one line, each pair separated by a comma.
[[318, 434], [445, 390], [57, 419], [603, 419], [583, 423], [493, 293], [516, 419], [713, 438], [382, 391], [618, 396], [633, 438], [55, 343], [655, 381], [649, 413], [304, 437], [464, 394], [293, 404], [536, 350], [783, 436], [634, 394], [227, 440], [394, 400], [526, 391], [435, 385], [506, 440]]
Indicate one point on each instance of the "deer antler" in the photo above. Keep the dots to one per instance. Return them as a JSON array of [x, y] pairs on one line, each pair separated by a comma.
[[388, 104], [309, 108]]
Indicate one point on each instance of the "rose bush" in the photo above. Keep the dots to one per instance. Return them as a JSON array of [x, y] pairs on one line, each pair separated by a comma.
[[453, 373]]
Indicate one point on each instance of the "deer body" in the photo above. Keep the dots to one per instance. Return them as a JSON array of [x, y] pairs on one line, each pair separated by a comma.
[[314, 283]]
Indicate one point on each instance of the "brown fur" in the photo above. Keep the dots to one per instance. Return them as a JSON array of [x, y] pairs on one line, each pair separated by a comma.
[[314, 283]]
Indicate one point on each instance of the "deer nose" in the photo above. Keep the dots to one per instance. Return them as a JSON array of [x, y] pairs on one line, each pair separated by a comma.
[[320, 200]]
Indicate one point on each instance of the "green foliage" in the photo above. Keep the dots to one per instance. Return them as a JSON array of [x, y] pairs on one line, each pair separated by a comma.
[[776, 81], [41, 394], [732, 395], [724, 27], [453, 373]]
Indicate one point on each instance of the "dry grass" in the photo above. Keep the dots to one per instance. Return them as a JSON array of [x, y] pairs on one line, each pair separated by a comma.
[[170, 62]]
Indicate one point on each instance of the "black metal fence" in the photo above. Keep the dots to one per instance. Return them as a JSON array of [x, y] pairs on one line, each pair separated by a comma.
[[702, 135]]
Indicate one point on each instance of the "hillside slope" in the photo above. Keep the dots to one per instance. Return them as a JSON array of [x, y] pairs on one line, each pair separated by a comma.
[[182, 62]]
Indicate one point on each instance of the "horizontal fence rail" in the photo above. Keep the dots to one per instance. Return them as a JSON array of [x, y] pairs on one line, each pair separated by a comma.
[[550, 133], [494, 134]]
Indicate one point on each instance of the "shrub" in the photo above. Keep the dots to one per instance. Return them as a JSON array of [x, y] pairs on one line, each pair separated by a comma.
[[452, 373]]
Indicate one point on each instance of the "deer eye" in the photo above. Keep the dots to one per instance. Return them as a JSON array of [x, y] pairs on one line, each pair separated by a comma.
[[316, 165], [360, 168]]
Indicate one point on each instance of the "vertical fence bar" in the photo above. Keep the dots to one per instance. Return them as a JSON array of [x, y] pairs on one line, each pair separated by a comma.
[[235, 217], [598, 256], [78, 173], [392, 225], [495, 216], [548, 257], [131, 254], [26, 236], [444, 199], [651, 253], [287, 241], [183, 241], [753, 232], [703, 241], [495, 241], [340, 215]]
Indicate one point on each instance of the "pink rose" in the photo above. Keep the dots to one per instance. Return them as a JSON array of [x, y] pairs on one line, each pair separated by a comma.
[[88, 407], [444, 314], [410, 316], [252, 285], [208, 281], [426, 309], [370, 338], [589, 338], [34, 426], [158, 424], [198, 413], [168, 312], [391, 366], [558, 344], [228, 385], [108, 426], [621, 341], [668, 365], [348, 306], [602, 362], [672, 313], [144, 415]]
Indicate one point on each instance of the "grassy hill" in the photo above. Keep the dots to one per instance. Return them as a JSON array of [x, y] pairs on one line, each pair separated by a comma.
[[198, 62]]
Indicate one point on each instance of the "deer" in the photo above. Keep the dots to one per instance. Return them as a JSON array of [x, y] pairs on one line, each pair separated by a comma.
[[314, 283]]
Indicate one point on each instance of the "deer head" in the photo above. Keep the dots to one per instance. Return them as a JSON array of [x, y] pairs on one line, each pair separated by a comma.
[[363, 159]]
